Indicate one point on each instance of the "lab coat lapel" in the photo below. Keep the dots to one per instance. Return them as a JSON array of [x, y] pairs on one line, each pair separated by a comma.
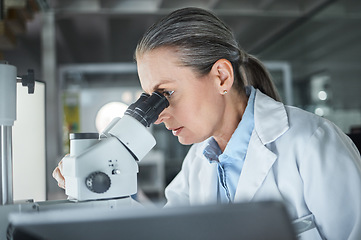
[[208, 176], [258, 162], [271, 122]]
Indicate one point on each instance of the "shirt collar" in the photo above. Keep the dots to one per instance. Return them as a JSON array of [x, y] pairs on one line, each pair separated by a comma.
[[212, 150]]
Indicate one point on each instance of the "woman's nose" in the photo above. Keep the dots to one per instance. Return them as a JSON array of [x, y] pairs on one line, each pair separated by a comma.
[[158, 121], [162, 116]]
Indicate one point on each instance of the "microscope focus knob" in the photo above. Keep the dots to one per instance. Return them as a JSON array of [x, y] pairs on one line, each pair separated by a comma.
[[98, 182]]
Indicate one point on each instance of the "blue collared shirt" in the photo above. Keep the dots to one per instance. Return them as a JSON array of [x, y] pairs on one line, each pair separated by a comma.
[[230, 162]]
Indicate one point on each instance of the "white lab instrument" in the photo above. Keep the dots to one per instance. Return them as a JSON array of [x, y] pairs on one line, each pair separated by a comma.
[[105, 167], [8, 80]]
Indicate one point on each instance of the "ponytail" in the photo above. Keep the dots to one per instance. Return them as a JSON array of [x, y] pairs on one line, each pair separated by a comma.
[[254, 73]]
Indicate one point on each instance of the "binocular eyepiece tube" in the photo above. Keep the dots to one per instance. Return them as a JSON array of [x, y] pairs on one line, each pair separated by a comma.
[[147, 108]]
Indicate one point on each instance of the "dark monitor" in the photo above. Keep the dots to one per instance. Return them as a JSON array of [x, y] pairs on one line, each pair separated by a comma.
[[262, 220], [356, 138]]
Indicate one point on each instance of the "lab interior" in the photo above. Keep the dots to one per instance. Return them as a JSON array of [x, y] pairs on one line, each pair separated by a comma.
[[72, 71]]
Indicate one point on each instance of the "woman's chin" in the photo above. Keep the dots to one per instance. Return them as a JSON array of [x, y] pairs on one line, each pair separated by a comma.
[[185, 141], [188, 141]]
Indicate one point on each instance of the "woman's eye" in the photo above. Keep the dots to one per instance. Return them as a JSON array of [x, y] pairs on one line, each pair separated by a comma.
[[168, 93]]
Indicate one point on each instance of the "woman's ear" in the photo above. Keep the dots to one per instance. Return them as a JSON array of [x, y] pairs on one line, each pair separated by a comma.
[[222, 70]]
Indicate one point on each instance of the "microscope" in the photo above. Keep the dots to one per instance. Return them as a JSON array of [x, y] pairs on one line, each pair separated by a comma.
[[99, 167], [104, 166]]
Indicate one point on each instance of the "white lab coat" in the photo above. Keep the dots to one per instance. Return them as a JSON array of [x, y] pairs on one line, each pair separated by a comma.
[[293, 156]]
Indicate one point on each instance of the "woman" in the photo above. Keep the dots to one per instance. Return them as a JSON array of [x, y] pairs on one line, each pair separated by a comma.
[[247, 145]]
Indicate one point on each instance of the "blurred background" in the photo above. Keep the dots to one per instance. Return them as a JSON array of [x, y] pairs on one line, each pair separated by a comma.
[[82, 51]]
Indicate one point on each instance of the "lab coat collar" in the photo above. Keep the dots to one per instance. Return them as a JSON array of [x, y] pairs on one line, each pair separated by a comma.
[[270, 116], [270, 123]]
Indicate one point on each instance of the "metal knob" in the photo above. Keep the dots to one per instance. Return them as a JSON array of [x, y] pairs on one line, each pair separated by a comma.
[[98, 182]]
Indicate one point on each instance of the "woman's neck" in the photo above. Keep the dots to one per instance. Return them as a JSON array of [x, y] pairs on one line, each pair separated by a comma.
[[234, 110]]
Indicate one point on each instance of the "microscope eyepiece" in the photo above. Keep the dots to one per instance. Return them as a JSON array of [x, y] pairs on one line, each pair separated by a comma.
[[147, 108], [131, 108]]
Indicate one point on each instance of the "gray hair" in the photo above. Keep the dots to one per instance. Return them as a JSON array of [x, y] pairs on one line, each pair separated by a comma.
[[201, 39]]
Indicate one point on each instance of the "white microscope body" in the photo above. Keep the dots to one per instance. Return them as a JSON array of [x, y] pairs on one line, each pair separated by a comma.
[[105, 167]]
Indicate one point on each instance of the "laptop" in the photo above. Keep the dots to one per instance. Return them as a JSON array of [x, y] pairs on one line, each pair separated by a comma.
[[256, 220]]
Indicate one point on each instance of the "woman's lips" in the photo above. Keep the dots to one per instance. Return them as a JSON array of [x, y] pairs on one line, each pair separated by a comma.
[[177, 131]]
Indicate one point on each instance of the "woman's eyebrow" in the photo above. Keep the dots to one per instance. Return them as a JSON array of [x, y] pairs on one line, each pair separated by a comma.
[[157, 86]]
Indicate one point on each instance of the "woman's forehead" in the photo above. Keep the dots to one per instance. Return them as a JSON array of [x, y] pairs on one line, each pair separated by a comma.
[[156, 67]]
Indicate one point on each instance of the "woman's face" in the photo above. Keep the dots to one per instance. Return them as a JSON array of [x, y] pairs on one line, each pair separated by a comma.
[[196, 107]]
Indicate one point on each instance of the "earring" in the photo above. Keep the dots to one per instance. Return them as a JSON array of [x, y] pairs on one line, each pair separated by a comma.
[[224, 92]]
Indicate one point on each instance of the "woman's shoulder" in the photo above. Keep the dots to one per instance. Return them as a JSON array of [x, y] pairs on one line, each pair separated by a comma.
[[303, 120], [305, 126]]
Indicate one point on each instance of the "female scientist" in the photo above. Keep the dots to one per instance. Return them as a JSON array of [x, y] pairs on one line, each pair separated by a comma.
[[247, 145]]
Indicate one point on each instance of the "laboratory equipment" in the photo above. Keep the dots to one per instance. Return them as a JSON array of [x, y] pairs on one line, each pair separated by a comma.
[[125, 141], [105, 166], [8, 80]]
